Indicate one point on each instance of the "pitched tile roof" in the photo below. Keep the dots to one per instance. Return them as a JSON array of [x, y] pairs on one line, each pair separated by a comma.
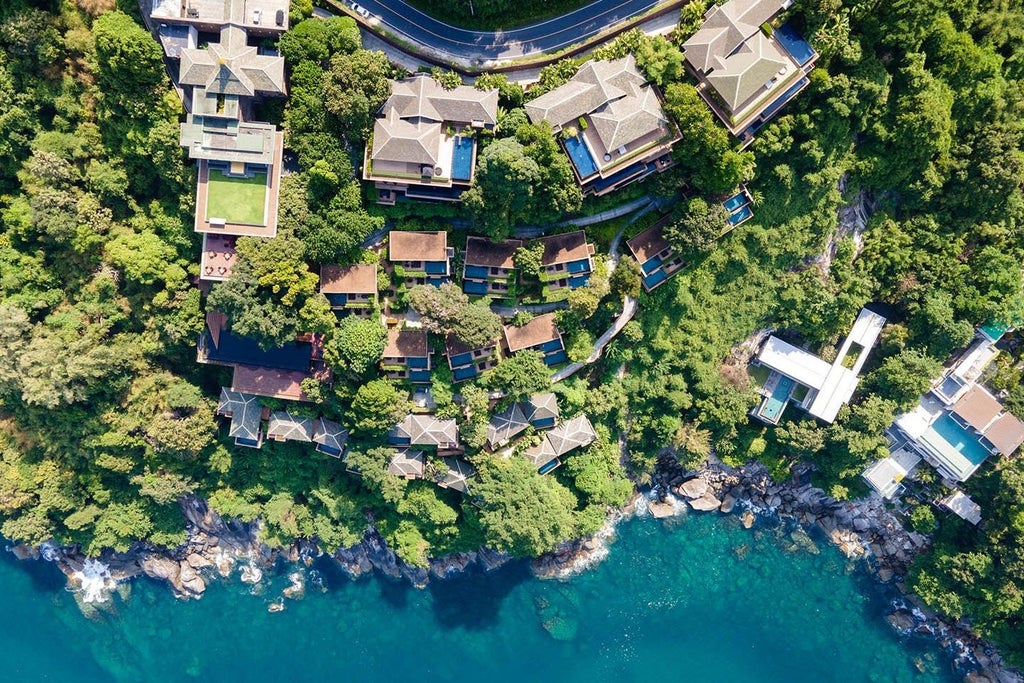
[[454, 346], [565, 248], [565, 437], [270, 382], [427, 430], [398, 140], [506, 425], [539, 330], [484, 252], [417, 246], [725, 27], [232, 70], [284, 425], [629, 118], [407, 463], [360, 278], [744, 74], [422, 97], [649, 243], [406, 342], [596, 83], [245, 411], [1006, 433], [977, 408], [457, 475], [330, 434], [540, 407]]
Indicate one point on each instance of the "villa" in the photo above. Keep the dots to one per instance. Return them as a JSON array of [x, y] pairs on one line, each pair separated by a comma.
[[818, 387], [563, 439], [489, 266], [955, 426], [330, 437], [239, 159], [961, 505], [540, 412], [456, 475], [273, 373], [567, 261], [540, 334], [424, 257], [407, 355], [425, 431], [283, 426], [748, 69], [407, 463], [610, 123], [246, 415], [350, 289], [423, 144], [467, 363], [657, 260]]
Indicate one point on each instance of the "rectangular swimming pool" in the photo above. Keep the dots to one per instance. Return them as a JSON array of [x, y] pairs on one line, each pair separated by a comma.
[[774, 404], [794, 44], [740, 216], [735, 202], [580, 156], [462, 158], [960, 439]]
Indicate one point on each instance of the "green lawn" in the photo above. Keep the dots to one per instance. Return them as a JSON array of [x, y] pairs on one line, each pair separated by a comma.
[[237, 200]]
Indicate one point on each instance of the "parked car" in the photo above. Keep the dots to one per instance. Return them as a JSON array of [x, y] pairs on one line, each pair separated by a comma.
[[360, 10], [257, 14]]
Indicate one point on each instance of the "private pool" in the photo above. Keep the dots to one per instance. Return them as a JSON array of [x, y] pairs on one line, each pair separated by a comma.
[[740, 216], [735, 202], [774, 403], [462, 158], [580, 156], [960, 439]]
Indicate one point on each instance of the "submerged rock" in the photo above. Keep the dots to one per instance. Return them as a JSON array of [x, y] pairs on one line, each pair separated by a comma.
[[748, 519]]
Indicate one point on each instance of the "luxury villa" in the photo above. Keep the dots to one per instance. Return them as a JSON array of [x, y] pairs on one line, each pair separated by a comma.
[[567, 262], [423, 143], [540, 334], [814, 385], [955, 427], [239, 159], [658, 261], [539, 412], [424, 257], [559, 441], [611, 124], [467, 363], [747, 68], [407, 355], [350, 289], [425, 431], [489, 267]]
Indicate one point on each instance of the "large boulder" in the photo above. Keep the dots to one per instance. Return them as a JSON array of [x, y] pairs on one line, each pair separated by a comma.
[[660, 510], [706, 503], [695, 488], [190, 579]]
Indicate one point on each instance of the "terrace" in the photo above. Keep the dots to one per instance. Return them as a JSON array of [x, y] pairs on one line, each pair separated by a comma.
[[237, 200], [218, 259]]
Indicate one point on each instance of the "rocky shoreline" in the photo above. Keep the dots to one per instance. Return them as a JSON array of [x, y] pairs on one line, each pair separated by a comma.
[[862, 530]]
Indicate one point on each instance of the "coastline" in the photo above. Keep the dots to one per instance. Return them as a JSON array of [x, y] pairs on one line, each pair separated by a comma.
[[862, 530]]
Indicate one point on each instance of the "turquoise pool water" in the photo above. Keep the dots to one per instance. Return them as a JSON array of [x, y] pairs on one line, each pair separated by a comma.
[[462, 158], [580, 156], [776, 402], [960, 439], [700, 600]]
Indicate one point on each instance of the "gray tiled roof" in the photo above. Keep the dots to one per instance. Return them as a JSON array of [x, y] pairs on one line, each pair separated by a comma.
[[725, 27], [284, 425], [232, 70], [422, 97], [330, 434], [245, 411], [594, 85], [506, 425], [540, 407], [629, 118], [401, 141], [457, 475], [427, 430], [407, 463], [744, 73], [565, 437]]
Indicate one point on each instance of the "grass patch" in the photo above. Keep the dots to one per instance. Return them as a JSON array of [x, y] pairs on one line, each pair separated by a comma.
[[237, 200]]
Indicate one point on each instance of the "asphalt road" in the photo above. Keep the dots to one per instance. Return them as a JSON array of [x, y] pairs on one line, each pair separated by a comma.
[[481, 46]]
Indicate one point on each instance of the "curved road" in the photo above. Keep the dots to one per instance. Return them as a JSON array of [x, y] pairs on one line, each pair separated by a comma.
[[482, 46]]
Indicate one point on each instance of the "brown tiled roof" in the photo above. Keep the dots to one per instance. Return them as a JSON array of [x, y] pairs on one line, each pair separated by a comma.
[[215, 320], [406, 342], [269, 382], [417, 246], [539, 330], [484, 252], [1006, 433], [649, 243], [977, 408], [571, 246], [454, 346], [358, 279]]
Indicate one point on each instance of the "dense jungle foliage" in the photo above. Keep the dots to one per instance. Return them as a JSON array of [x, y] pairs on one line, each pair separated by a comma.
[[914, 113]]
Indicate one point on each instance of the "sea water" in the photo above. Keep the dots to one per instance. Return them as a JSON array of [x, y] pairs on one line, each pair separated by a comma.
[[696, 599]]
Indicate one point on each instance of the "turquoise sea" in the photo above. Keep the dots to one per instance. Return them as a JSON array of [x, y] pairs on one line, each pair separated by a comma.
[[699, 599]]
